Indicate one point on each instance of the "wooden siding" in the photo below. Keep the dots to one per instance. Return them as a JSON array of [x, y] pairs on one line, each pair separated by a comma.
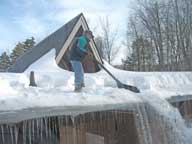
[[104, 128]]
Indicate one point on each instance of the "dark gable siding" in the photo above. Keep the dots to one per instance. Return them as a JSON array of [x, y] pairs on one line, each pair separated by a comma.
[[55, 40]]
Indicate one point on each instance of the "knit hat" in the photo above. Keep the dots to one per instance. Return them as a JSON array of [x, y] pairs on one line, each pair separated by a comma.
[[89, 32]]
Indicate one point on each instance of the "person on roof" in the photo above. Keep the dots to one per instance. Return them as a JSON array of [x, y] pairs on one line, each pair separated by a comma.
[[78, 51]]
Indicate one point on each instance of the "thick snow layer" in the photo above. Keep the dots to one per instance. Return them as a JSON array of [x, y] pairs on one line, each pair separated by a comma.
[[55, 86]]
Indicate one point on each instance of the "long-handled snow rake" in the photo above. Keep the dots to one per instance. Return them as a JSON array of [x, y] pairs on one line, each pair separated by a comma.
[[119, 84]]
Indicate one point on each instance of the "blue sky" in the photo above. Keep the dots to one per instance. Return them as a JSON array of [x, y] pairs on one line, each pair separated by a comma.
[[21, 19]]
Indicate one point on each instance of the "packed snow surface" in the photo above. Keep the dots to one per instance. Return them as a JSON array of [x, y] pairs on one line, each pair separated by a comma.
[[55, 86]]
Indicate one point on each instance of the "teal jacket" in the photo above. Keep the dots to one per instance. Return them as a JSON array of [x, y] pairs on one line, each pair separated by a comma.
[[82, 43], [79, 48]]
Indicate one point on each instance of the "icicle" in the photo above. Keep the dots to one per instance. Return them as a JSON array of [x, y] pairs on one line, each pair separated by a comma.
[[2, 134], [11, 133], [55, 128], [141, 127], [24, 133], [74, 129], [37, 128], [46, 128], [41, 129], [60, 125], [65, 123], [16, 134], [29, 132], [49, 128], [33, 129]]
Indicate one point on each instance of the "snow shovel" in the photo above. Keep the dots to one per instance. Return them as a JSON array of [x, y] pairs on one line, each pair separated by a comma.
[[119, 84]]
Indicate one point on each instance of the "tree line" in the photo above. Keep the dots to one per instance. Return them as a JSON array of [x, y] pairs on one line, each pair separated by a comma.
[[159, 35], [7, 60]]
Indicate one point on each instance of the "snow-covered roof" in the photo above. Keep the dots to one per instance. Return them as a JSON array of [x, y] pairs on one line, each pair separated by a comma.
[[55, 89]]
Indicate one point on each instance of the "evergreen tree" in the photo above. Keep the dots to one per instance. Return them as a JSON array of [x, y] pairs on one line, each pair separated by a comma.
[[4, 61], [141, 57], [21, 48], [29, 43], [129, 63], [17, 51]]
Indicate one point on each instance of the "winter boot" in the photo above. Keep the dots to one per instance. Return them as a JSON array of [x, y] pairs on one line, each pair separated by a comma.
[[78, 88], [83, 84]]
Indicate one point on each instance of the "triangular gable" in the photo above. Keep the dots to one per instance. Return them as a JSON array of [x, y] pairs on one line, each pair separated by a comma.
[[60, 40], [80, 23]]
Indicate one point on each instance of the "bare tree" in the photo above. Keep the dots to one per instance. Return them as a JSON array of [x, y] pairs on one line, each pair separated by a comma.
[[109, 39], [167, 25], [99, 44]]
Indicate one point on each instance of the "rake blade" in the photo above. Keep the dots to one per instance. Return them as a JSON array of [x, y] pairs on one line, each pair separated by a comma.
[[119, 84], [132, 88], [128, 87]]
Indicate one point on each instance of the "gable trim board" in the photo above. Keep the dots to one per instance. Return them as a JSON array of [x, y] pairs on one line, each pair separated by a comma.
[[92, 43], [68, 42], [60, 40], [81, 22]]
